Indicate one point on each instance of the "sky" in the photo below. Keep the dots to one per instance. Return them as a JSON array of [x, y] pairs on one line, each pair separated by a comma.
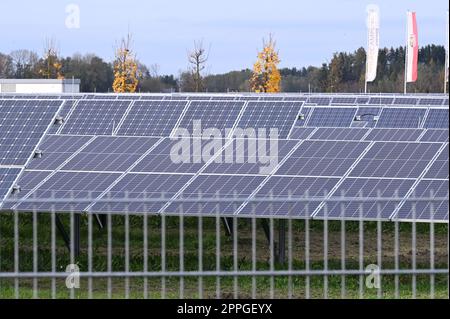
[[306, 32]]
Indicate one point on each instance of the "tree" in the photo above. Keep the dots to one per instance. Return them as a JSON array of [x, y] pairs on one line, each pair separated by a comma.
[[266, 77], [126, 74], [50, 66], [6, 66], [25, 63], [197, 59]]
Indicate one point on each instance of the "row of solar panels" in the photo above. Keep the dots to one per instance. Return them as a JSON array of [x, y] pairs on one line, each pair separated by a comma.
[[322, 99], [24, 123], [161, 118], [119, 168]]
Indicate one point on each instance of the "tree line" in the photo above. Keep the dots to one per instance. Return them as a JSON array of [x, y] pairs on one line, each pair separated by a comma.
[[344, 73]]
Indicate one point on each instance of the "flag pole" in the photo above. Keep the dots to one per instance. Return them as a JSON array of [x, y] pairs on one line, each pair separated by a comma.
[[446, 59], [406, 53]]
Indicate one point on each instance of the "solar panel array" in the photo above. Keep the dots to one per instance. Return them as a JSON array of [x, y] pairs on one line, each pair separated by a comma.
[[118, 150]]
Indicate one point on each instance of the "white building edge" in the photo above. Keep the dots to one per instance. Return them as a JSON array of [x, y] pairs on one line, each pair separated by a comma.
[[39, 86]]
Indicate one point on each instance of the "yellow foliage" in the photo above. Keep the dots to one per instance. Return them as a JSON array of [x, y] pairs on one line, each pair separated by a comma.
[[266, 78], [125, 70]]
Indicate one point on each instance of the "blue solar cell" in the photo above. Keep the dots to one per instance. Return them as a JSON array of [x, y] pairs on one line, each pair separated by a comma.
[[405, 101], [110, 153], [435, 136], [212, 114], [222, 186], [397, 134], [22, 125], [439, 169], [67, 188], [428, 208], [56, 149], [283, 187], [7, 178], [141, 186], [95, 117], [395, 159], [270, 115], [27, 182], [301, 133], [322, 158], [331, 117], [437, 118], [244, 156], [381, 100], [168, 156], [319, 100], [344, 100], [63, 112], [427, 101], [152, 118], [304, 113], [362, 100], [372, 191], [335, 134], [401, 118]]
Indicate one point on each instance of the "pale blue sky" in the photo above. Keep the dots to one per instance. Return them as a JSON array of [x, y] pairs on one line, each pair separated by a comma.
[[307, 32]]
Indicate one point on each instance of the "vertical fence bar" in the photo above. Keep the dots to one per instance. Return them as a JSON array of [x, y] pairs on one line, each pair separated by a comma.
[[181, 252], [53, 250], [90, 268], [16, 254], [290, 253], [145, 249], [307, 279], [272, 259], [361, 251], [343, 252], [35, 253], [163, 255], [72, 244], [235, 257], [396, 258], [432, 265], [127, 252], [218, 250], [200, 254], [253, 251], [109, 254], [379, 248], [325, 251]]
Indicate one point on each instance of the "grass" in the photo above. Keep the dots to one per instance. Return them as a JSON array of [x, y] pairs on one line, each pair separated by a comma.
[[117, 287]]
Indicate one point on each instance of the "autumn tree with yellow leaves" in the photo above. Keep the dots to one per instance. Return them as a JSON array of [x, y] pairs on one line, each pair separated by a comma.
[[266, 78], [50, 67], [126, 74]]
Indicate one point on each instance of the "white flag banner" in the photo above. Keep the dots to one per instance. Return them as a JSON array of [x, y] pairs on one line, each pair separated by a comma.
[[373, 42], [412, 48], [446, 53]]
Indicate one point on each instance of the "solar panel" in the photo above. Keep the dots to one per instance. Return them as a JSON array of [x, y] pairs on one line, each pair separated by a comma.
[[22, 125], [95, 117], [283, 187], [56, 149], [270, 115], [425, 101], [439, 169], [435, 136], [437, 118], [63, 112], [110, 153], [381, 100], [395, 159], [67, 187], [335, 134], [209, 186], [405, 101], [152, 118], [365, 188], [430, 209], [243, 156], [344, 100], [365, 117], [7, 178], [331, 117], [322, 158], [362, 100], [319, 100], [401, 118], [168, 156], [397, 134], [140, 186], [301, 133], [219, 115], [303, 116], [152, 97]]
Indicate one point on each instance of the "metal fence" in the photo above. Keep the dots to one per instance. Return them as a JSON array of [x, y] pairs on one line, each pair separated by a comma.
[[128, 255]]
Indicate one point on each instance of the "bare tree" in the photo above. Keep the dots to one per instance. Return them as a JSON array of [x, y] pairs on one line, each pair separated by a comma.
[[197, 59], [25, 62]]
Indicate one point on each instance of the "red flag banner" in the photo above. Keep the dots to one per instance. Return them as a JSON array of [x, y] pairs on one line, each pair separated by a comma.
[[412, 48]]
